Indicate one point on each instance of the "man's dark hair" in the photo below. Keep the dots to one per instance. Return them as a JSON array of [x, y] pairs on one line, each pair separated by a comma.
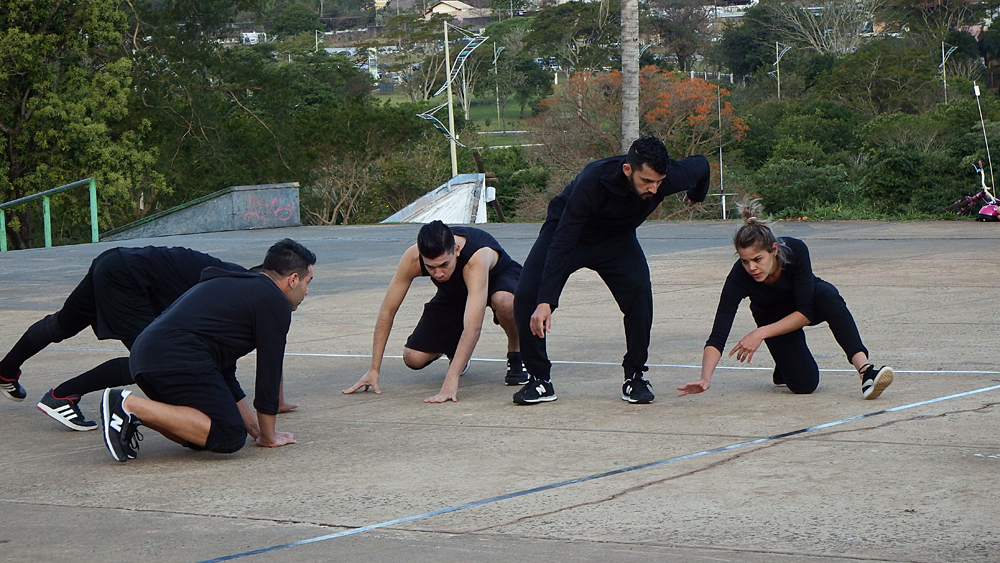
[[435, 239], [286, 257], [650, 151]]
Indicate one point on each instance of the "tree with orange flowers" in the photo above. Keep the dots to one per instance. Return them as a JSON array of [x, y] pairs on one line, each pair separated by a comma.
[[582, 121]]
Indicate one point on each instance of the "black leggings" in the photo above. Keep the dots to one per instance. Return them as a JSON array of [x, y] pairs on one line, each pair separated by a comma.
[[793, 362], [107, 299], [621, 263]]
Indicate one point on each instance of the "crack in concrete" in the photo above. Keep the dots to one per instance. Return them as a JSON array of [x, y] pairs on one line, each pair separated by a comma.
[[641, 486]]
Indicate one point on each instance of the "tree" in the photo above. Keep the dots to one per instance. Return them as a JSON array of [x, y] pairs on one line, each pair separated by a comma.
[[940, 16], [683, 26], [297, 18], [509, 35], [582, 121], [830, 26], [885, 76], [749, 45], [64, 94], [419, 53], [531, 83], [630, 73], [578, 34], [508, 8]]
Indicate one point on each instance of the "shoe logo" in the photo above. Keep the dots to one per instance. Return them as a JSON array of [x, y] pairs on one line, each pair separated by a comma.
[[116, 422], [65, 411], [540, 389]]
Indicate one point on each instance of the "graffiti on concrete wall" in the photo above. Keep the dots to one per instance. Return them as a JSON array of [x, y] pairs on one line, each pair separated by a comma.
[[262, 213]]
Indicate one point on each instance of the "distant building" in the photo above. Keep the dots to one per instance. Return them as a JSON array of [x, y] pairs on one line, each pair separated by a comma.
[[456, 9], [253, 37]]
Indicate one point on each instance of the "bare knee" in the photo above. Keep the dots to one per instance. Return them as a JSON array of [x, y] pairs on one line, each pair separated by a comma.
[[502, 303], [414, 359]]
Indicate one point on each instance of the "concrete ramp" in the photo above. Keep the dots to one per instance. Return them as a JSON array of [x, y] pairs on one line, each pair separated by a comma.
[[263, 206], [461, 200]]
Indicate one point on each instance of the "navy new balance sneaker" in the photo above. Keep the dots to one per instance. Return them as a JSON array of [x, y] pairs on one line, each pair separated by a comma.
[[121, 429], [535, 391]]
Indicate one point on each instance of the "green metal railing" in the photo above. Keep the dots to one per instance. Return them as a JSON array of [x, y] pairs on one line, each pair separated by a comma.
[[46, 218]]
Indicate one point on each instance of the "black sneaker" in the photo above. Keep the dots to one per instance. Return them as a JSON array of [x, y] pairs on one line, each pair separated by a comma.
[[637, 391], [874, 381], [121, 434], [535, 391], [66, 412], [12, 389], [516, 374]]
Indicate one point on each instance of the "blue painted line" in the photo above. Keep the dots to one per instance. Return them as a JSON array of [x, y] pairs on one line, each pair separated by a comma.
[[490, 500]]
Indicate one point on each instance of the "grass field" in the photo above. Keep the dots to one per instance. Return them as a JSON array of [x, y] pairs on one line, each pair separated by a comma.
[[482, 119]]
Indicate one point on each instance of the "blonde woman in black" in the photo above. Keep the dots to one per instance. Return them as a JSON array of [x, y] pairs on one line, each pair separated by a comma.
[[785, 296]]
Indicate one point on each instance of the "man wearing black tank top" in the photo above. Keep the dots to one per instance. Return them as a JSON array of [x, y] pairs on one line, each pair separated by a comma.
[[471, 271]]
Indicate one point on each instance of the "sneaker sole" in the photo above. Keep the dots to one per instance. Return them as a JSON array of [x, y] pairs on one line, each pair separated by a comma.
[[58, 418], [509, 382], [12, 397], [536, 401], [635, 401], [882, 380], [105, 416]]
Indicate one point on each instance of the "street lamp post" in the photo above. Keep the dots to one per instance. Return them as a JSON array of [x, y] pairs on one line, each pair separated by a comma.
[[496, 75], [944, 59], [777, 67]]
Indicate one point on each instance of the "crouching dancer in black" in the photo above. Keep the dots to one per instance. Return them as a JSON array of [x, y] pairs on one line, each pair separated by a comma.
[[471, 271], [785, 296], [185, 360], [592, 224], [123, 291]]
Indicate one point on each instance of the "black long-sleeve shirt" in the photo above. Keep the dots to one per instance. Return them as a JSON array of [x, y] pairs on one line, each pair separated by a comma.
[[223, 318], [600, 202], [167, 272], [794, 291]]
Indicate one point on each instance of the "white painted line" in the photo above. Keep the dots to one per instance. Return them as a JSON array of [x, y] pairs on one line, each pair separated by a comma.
[[566, 362], [490, 500]]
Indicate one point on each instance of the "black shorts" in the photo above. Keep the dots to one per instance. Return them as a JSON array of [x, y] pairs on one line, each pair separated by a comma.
[[205, 392], [441, 325]]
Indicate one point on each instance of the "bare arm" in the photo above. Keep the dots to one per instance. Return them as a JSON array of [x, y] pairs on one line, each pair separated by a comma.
[[476, 275], [709, 360], [744, 350], [249, 418], [748, 345], [406, 271], [269, 437]]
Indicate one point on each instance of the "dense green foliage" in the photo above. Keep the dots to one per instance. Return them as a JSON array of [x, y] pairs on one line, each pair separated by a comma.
[[161, 102]]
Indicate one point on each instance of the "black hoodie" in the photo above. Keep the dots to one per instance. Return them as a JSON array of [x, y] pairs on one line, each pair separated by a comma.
[[223, 318], [600, 202]]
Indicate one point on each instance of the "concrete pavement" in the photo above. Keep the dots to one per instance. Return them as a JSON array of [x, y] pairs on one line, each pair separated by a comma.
[[616, 482]]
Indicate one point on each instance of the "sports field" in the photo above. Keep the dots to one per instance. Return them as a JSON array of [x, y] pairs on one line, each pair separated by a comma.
[[744, 472]]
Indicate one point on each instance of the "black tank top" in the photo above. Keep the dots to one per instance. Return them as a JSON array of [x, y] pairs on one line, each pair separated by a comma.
[[475, 239]]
